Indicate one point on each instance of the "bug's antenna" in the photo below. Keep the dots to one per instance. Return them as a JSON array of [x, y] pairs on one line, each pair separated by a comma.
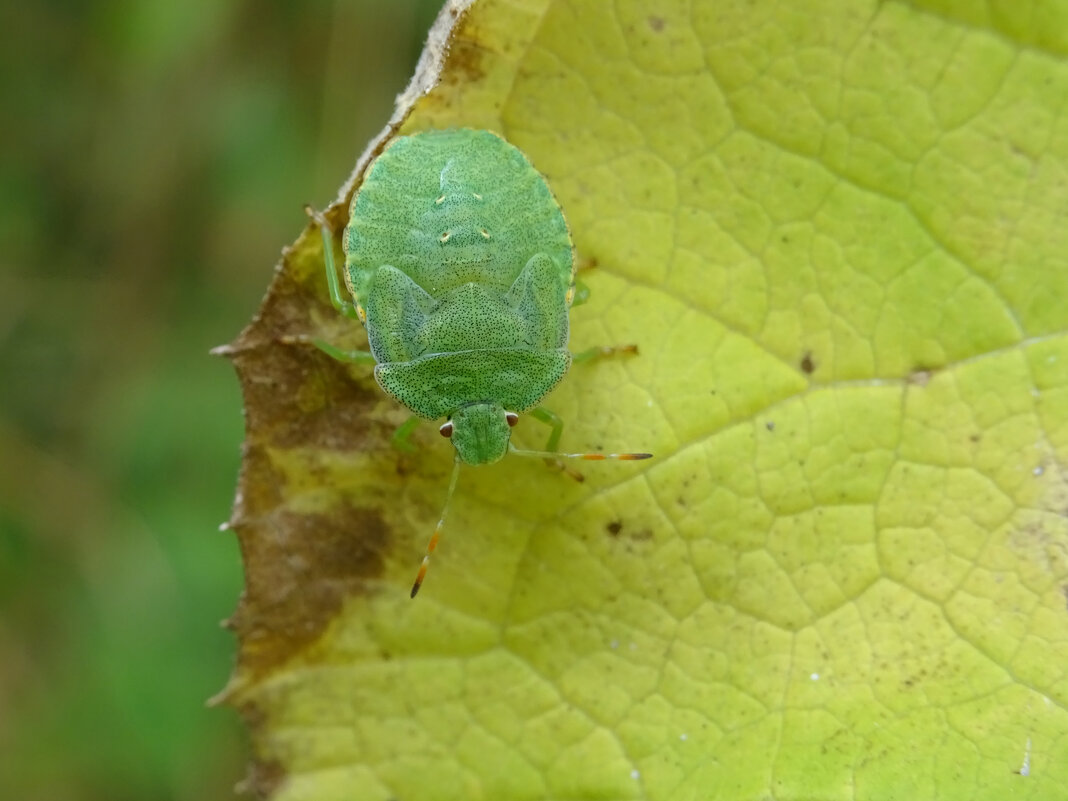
[[437, 529], [590, 457]]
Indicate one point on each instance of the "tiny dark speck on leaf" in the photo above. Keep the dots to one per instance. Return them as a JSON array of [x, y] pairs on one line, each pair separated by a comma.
[[770, 425], [615, 527], [807, 365], [920, 376], [656, 23]]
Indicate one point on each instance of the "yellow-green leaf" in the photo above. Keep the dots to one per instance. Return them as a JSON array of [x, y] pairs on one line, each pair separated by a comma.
[[838, 232]]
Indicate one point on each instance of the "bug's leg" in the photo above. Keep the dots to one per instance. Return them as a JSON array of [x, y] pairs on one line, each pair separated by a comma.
[[556, 458], [334, 352], [425, 565], [403, 435], [556, 429], [553, 420], [602, 351], [345, 307], [581, 292]]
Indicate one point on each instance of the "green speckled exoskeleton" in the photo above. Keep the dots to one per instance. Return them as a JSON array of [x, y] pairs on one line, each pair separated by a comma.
[[461, 268]]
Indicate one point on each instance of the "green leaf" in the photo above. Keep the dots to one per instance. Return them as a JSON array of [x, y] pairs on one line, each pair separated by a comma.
[[837, 232]]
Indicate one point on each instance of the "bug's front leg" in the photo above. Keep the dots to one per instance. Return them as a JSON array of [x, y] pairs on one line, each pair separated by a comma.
[[556, 430]]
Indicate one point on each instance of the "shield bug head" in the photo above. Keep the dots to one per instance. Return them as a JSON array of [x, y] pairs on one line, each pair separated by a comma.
[[480, 432]]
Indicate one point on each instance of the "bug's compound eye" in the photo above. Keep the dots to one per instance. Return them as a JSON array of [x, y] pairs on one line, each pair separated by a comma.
[[512, 418], [446, 429]]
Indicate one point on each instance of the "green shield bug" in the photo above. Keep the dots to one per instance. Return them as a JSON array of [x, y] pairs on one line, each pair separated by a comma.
[[461, 268]]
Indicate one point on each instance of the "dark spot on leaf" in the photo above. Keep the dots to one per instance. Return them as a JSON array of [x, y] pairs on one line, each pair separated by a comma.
[[808, 367], [615, 528], [920, 377], [656, 24]]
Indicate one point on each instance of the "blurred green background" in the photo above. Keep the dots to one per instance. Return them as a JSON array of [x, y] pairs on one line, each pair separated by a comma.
[[155, 159]]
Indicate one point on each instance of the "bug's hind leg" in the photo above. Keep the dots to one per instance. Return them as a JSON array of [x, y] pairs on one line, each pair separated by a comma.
[[604, 350], [580, 293]]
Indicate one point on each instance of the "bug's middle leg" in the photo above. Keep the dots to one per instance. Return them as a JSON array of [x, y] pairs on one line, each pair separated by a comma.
[[333, 351], [402, 437], [343, 305], [345, 356], [346, 307]]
